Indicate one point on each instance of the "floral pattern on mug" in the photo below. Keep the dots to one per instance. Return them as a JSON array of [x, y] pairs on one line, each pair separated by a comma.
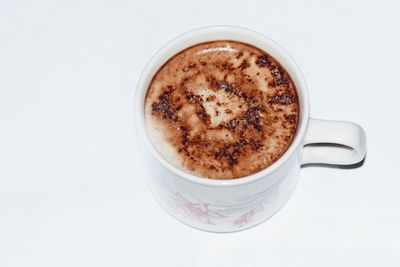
[[244, 218], [237, 214], [199, 211]]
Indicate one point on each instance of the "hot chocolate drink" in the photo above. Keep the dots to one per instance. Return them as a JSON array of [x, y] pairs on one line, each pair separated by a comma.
[[222, 110]]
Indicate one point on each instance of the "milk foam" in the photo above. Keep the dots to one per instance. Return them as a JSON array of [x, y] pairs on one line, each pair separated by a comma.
[[221, 110]]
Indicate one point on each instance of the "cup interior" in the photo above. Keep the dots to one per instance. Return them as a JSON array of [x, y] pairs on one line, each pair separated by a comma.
[[213, 33]]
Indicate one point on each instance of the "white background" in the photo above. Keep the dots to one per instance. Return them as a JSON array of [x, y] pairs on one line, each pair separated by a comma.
[[72, 189]]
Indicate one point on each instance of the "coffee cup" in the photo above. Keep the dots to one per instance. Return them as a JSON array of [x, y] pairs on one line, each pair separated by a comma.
[[236, 204]]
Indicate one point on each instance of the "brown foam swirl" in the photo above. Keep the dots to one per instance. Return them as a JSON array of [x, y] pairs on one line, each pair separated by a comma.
[[222, 110]]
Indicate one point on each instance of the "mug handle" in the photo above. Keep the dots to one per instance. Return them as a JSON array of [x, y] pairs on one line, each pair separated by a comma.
[[333, 142]]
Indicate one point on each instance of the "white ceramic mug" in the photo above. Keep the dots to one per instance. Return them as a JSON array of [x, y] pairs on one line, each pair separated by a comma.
[[237, 204]]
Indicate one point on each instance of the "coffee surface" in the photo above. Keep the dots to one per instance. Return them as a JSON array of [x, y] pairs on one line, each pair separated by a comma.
[[221, 110]]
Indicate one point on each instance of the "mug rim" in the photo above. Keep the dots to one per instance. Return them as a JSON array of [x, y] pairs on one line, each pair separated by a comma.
[[155, 63]]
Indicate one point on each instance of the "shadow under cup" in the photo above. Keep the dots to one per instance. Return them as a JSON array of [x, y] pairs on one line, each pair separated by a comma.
[[237, 204]]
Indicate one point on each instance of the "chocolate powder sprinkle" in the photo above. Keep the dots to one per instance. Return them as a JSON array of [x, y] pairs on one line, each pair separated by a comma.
[[285, 98], [263, 61], [252, 116], [202, 114], [185, 136], [291, 118], [189, 67], [230, 152], [210, 98], [228, 111], [193, 98], [227, 66], [230, 88], [256, 144], [279, 76], [225, 86], [164, 107], [233, 124], [244, 65]]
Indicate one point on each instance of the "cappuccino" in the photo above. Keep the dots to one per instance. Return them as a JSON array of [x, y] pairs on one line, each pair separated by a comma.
[[221, 110]]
